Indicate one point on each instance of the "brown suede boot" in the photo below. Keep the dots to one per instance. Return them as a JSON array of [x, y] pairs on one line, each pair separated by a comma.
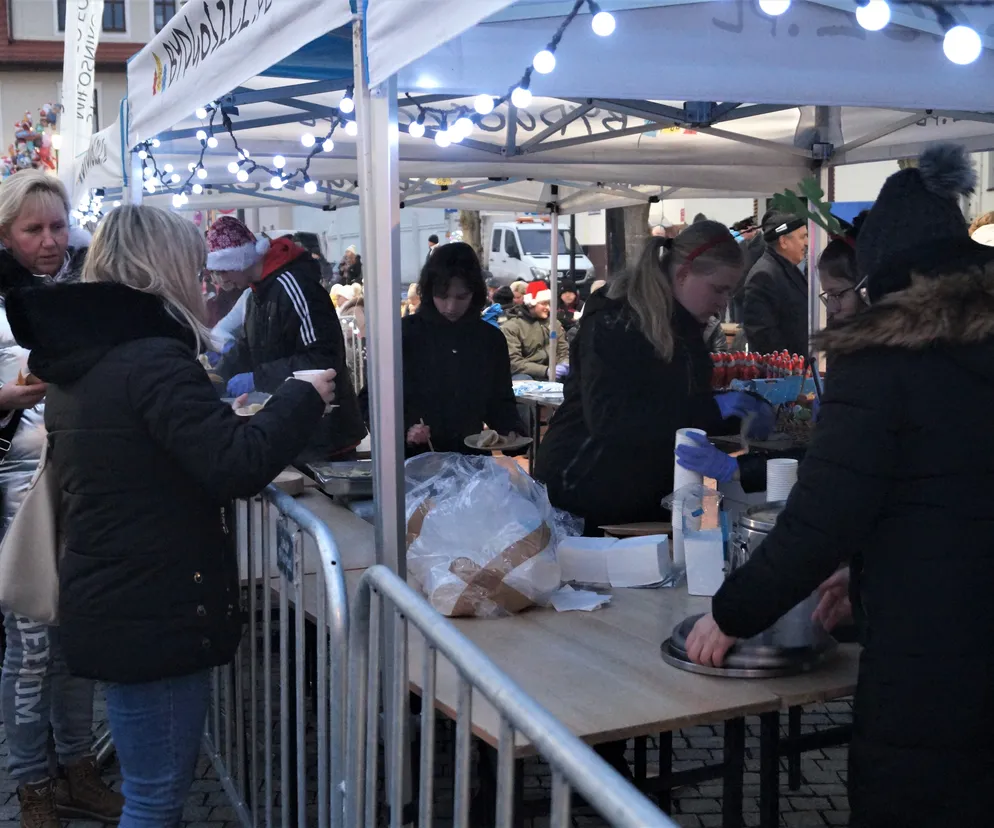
[[38, 805], [81, 794]]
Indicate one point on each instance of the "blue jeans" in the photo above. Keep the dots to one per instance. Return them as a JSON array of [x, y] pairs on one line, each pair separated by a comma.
[[36, 691], [157, 729]]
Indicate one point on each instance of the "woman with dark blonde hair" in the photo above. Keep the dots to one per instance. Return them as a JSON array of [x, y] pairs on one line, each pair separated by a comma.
[[149, 461], [38, 248], [640, 370]]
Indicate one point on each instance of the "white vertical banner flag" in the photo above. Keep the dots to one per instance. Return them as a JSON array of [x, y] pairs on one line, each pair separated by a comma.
[[84, 21]]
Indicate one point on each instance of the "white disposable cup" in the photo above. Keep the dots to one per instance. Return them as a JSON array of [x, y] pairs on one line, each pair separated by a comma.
[[781, 475], [309, 376]]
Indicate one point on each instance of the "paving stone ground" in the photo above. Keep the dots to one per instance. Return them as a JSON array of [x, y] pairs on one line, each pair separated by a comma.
[[821, 800]]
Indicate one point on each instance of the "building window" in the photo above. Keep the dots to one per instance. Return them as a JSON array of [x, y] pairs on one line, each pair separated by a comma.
[[163, 11], [115, 19], [114, 16]]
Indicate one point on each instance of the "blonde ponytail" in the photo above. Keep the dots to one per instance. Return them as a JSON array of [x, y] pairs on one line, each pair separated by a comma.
[[648, 289]]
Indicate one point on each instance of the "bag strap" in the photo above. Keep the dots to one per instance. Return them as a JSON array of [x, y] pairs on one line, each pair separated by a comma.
[[7, 433]]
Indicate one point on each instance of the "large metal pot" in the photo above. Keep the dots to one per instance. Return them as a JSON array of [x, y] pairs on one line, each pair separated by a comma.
[[795, 629]]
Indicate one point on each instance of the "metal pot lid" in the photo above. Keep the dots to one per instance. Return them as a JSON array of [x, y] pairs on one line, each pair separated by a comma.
[[762, 518], [676, 658], [752, 653]]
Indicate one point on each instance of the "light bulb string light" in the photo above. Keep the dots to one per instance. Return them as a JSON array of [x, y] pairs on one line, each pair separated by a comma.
[[452, 115], [249, 165], [163, 178], [244, 161]]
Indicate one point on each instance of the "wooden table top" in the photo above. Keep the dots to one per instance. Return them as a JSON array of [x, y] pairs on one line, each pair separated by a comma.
[[601, 672]]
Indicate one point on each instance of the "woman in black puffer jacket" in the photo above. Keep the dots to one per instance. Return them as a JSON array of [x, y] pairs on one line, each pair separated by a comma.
[[149, 461], [897, 483], [457, 372]]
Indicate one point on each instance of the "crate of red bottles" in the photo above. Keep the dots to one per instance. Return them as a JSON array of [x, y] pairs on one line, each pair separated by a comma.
[[779, 378], [741, 365]]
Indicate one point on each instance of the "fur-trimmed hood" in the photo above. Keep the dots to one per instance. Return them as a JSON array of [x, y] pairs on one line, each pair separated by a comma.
[[951, 310]]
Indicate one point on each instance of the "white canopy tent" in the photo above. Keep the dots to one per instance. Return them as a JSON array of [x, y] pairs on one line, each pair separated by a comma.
[[650, 112], [704, 50], [705, 53]]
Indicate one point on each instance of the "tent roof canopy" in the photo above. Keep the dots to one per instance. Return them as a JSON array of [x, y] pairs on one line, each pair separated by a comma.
[[695, 50], [588, 124]]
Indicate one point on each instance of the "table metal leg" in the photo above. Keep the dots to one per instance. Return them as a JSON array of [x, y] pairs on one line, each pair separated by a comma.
[[519, 793], [734, 770], [769, 770], [641, 769], [665, 791], [794, 754]]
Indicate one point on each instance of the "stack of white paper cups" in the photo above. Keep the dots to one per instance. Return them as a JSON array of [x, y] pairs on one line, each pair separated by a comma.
[[682, 477], [781, 475]]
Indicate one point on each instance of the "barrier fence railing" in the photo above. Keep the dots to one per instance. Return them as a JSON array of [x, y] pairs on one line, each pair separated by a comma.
[[383, 608], [277, 711]]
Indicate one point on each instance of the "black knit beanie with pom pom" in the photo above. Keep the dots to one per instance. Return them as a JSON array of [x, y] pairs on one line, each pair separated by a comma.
[[916, 224]]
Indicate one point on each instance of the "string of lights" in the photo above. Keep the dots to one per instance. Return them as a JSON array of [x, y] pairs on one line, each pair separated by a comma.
[[961, 44], [457, 123], [167, 179]]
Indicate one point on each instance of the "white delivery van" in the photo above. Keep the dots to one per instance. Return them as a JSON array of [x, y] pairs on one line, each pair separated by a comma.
[[520, 250]]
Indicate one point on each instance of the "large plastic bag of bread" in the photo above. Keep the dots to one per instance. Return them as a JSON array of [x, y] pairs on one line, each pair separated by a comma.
[[481, 535]]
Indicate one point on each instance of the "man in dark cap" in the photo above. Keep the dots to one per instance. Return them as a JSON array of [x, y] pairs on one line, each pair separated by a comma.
[[432, 244], [775, 310]]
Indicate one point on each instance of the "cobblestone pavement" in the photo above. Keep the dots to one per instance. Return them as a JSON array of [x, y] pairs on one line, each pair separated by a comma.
[[821, 800]]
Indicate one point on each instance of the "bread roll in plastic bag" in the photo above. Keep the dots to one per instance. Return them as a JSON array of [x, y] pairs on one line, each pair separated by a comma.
[[481, 535]]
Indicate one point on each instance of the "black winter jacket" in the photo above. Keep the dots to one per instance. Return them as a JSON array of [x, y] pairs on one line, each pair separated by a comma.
[[897, 482], [608, 453], [775, 310], [291, 325], [149, 460], [457, 376]]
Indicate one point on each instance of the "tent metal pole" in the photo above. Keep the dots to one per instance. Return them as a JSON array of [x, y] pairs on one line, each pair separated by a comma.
[[817, 241], [136, 186], [563, 122], [511, 147], [243, 96], [553, 283], [379, 200], [572, 246], [760, 143], [469, 143], [255, 123], [476, 188], [876, 135], [594, 139], [379, 183]]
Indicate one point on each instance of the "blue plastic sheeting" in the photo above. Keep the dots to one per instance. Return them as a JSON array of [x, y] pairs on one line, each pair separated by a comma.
[[848, 210], [327, 58]]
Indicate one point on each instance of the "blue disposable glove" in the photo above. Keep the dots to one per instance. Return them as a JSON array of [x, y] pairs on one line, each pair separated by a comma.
[[705, 459], [562, 371], [743, 405], [213, 357], [241, 384], [815, 409]]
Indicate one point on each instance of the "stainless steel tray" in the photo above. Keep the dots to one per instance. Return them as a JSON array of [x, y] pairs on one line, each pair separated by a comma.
[[747, 659], [347, 478]]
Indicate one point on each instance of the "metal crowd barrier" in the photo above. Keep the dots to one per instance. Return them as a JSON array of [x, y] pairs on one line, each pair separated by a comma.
[[382, 609], [355, 352], [259, 735]]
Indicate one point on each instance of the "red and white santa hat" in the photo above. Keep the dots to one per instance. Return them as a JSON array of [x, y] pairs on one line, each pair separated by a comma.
[[537, 292], [232, 246]]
